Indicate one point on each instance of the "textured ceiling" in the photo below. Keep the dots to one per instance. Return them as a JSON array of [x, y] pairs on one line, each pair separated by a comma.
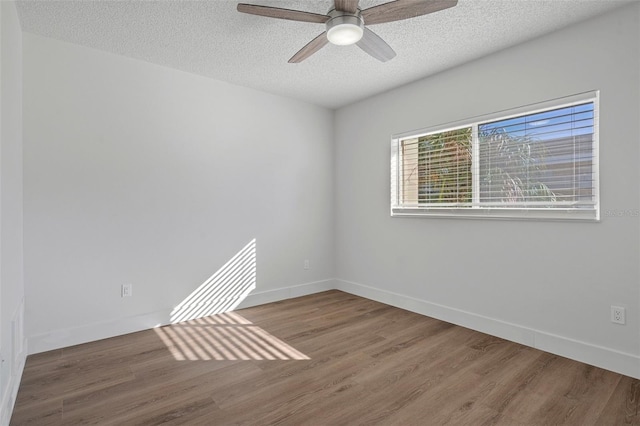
[[212, 39]]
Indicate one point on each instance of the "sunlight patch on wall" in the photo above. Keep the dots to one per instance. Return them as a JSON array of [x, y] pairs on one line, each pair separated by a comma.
[[225, 336], [224, 290]]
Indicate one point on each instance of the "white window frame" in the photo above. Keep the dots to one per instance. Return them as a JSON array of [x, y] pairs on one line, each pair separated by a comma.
[[475, 211]]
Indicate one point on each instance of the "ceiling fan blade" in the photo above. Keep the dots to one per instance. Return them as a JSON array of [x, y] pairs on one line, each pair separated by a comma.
[[312, 47], [276, 12], [349, 6], [375, 46], [403, 9]]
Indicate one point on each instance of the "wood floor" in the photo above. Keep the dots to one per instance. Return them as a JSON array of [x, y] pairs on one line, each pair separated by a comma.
[[326, 359]]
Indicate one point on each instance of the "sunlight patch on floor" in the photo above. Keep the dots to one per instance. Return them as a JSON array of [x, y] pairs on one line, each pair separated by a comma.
[[226, 336]]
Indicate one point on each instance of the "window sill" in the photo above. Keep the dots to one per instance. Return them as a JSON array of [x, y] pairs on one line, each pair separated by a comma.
[[582, 215]]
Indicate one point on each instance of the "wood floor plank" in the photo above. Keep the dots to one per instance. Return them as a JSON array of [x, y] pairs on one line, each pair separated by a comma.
[[141, 402], [561, 390], [45, 413], [70, 379], [325, 359], [623, 407], [196, 411], [441, 386], [279, 401], [582, 396]]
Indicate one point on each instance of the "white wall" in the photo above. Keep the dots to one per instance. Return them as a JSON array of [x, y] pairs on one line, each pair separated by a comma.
[[545, 284], [12, 344], [136, 173]]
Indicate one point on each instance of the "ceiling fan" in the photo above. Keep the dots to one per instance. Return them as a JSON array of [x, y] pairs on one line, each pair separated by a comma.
[[346, 23]]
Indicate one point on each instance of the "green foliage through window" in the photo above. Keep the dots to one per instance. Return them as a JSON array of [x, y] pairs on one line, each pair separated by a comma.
[[444, 167]]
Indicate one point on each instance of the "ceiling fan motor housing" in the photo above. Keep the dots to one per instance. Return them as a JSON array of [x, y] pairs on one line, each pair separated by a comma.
[[343, 28]]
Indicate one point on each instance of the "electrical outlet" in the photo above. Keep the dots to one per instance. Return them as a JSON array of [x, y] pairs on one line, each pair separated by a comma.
[[306, 264], [126, 290], [617, 315]]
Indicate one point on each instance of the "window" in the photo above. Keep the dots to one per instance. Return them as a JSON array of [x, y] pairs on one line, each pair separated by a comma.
[[538, 161]]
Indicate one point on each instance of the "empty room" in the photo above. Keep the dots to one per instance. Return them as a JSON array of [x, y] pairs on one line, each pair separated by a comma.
[[320, 212]]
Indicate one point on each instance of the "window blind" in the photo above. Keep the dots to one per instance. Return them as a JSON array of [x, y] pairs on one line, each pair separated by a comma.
[[541, 160], [542, 163]]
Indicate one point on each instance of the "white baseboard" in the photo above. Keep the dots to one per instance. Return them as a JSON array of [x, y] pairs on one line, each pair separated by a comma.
[[9, 398], [609, 359], [63, 338], [260, 298]]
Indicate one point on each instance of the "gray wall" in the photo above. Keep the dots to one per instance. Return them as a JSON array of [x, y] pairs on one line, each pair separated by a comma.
[[136, 173], [12, 344], [546, 284]]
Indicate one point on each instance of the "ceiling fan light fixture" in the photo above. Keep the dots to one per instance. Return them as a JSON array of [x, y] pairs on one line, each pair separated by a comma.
[[345, 30], [345, 23]]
